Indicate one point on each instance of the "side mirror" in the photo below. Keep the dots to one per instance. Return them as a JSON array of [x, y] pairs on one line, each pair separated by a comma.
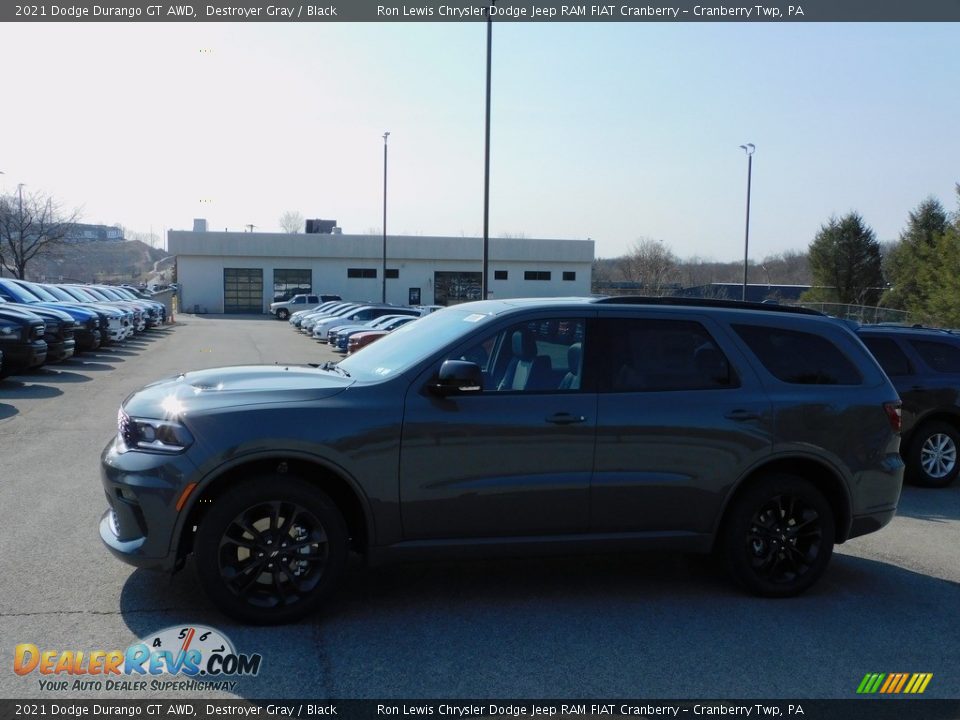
[[458, 376]]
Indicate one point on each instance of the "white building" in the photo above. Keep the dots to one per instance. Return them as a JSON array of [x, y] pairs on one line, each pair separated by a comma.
[[236, 272]]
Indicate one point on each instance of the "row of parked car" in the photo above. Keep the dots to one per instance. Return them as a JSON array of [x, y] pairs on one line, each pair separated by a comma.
[[349, 326], [44, 323]]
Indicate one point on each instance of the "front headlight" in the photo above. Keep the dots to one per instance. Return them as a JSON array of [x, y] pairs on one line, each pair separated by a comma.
[[165, 436], [9, 332]]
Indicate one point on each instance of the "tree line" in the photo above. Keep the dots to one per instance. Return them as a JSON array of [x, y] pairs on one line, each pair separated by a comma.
[[844, 263]]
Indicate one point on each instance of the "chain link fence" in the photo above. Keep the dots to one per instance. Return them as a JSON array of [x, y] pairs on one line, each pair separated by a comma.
[[864, 314]]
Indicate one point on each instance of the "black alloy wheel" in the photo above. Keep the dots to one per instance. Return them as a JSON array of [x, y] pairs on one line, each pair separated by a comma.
[[270, 550], [779, 536]]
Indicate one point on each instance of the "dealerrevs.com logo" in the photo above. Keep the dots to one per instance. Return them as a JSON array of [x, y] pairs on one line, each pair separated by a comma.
[[196, 657]]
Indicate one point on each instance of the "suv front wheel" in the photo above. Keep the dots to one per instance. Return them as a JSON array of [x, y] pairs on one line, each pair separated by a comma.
[[778, 536], [270, 550], [283, 314], [933, 460]]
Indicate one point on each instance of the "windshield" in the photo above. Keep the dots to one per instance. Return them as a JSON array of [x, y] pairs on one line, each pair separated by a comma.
[[109, 294], [61, 294], [80, 294], [16, 293], [41, 292], [410, 343]]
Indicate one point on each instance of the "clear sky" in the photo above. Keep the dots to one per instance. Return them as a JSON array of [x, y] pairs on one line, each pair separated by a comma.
[[613, 131]]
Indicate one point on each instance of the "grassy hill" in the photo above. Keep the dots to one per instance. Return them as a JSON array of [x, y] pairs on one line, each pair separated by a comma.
[[129, 261]]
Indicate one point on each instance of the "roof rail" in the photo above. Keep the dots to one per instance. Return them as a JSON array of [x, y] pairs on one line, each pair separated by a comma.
[[707, 302], [905, 326]]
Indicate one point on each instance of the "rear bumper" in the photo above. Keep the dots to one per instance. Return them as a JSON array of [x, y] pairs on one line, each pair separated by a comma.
[[864, 524]]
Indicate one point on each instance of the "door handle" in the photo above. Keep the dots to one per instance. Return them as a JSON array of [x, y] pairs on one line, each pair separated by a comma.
[[919, 388], [565, 418], [740, 415]]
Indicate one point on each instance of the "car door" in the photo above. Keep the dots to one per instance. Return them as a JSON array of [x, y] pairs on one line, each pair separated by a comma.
[[680, 415], [514, 458]]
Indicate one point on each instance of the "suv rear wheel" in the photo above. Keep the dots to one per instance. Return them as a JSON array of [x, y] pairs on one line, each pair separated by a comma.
[[270, 550], [933, 460], [778, 536]]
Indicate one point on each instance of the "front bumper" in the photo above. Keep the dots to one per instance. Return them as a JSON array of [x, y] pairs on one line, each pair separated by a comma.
[[142, 491], [23, 356], [58, 351], [87, 340]]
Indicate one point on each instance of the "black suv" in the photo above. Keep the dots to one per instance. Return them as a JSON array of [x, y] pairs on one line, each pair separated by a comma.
[[763, 432], [21, 339], [924, 365]]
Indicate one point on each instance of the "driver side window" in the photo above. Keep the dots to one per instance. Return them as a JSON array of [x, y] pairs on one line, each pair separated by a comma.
[[531, 356]]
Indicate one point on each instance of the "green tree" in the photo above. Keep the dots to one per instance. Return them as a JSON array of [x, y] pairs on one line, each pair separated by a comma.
[[846, 262], [939, 281], [902, 265]]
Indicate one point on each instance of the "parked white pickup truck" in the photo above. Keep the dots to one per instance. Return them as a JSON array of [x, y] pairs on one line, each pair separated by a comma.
[[298, 302]]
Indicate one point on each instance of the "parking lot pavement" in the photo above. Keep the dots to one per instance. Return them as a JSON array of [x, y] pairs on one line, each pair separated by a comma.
[[642, 626]]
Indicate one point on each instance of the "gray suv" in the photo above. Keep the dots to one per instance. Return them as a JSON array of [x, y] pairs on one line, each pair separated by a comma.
[[767, 434]]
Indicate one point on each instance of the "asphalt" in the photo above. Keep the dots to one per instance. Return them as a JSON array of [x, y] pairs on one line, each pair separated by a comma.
[[616, 626]]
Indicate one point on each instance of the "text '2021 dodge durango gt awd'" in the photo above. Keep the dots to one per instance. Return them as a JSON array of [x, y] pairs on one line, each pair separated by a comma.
[[767, 434]]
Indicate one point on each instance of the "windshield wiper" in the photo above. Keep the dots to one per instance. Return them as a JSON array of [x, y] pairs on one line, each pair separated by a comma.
[[329, 365]]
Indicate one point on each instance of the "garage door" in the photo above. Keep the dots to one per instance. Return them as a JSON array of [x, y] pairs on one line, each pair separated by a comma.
[[242, 290]]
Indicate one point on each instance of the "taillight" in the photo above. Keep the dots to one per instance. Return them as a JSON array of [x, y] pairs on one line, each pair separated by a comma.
[[894, 415]]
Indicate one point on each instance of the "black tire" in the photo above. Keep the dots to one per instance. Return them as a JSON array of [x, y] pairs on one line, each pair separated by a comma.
[[934, 456], [270, 550], [283, 314], [778, 536]]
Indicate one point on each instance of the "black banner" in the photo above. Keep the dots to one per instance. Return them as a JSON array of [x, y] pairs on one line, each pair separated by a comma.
[[478, 10], [107, 709]]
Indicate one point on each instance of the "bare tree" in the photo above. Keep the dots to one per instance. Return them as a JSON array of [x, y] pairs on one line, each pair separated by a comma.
[[31, 225], [650, 263], [291, 222]]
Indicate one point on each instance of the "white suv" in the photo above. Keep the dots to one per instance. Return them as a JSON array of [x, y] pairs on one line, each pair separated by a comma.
[[298, 302]]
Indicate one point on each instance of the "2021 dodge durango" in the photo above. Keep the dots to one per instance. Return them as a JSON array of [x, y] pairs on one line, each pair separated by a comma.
[[765, 434]]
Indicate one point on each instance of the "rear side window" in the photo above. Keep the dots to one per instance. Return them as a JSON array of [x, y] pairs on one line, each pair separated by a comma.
[[644, 355], [799, 358], [889, 355], [942, 357]]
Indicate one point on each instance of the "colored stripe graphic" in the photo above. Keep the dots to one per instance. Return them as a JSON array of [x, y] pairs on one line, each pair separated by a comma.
[[894, 683]]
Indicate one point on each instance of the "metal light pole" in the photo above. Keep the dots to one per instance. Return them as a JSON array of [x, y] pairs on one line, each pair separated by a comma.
[[20, 216], [383, 293], [749, 149], [484, 277]]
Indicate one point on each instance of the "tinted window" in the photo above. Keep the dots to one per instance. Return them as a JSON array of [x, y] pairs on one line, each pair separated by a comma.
[[941, 356], [889, 355], [642, 355], [499, 274], [799, 357]]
